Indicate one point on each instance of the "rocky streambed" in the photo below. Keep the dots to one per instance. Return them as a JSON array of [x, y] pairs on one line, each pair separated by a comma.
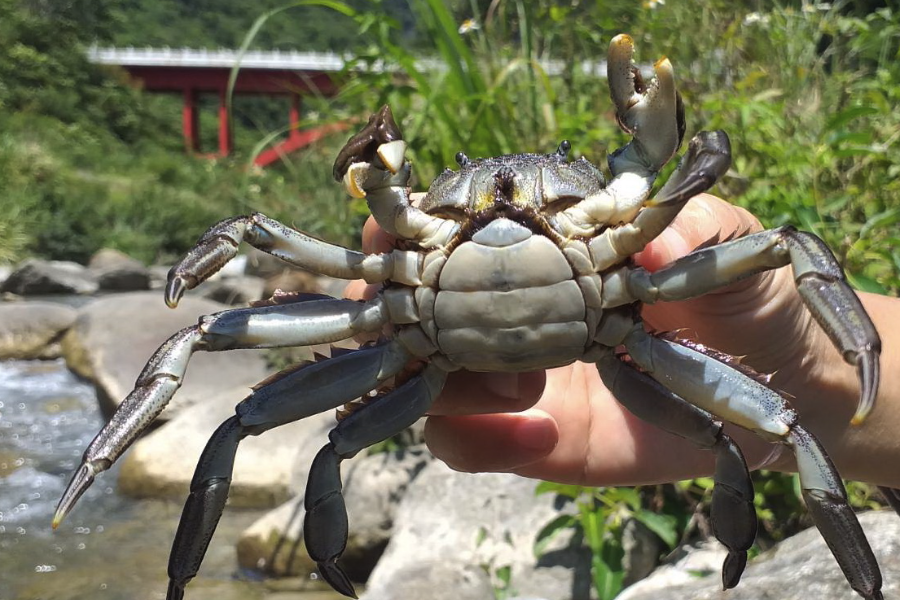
[[112, 547]]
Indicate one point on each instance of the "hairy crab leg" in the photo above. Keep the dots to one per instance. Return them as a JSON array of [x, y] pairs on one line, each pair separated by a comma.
[[732, 512], [294, 394], [706, 160], [372, 165], [317, 320], [653, 114], [736, 397], [325, 527], [818, 276], [220, 244]]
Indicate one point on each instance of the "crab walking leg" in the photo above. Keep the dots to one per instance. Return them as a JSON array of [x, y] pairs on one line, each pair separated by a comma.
[[317, 321], [733, 514], [325, 527], [707, 158], [292, 395], [220, 244], [738, 398], [819, 280]]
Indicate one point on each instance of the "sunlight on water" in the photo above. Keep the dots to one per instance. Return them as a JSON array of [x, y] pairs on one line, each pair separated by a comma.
[[109, 548]]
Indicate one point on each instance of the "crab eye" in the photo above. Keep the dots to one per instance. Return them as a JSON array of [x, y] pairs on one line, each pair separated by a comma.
[[461, 159], [563, 150]]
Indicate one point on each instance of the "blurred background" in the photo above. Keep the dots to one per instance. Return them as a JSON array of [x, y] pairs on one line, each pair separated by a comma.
[[90, 160]]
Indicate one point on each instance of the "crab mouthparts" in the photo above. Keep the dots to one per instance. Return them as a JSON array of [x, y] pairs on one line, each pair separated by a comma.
[[504, 186]]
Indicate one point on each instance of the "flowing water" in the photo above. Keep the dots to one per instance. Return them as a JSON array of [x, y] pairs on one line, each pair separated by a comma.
[[109, 547]]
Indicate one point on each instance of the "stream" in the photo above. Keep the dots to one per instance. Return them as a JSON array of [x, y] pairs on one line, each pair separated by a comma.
[[110, 547]]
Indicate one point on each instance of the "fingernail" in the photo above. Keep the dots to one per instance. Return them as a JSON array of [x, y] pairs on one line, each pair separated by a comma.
[[537, 433]]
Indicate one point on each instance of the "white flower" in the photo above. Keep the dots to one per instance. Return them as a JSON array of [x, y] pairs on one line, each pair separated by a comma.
[[468, 26], [756, 17], [651, 4]]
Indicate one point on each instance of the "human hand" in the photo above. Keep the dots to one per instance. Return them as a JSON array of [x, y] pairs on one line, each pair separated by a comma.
[[564, 425]]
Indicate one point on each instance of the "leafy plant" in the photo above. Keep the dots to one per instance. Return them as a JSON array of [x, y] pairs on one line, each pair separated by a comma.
[[600, 518]]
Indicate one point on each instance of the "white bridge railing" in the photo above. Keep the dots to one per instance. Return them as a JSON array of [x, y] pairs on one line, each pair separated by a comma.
[[276, 59]]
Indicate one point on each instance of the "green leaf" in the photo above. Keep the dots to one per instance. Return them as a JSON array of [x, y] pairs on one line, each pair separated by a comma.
[[549, 531], [880, 221], [865, 284], [607, 578], [847, 115], [664, 526], [563, 489]]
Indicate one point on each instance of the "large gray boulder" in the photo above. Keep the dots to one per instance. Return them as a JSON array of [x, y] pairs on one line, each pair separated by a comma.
[[113, 338], [455, 533], [799, 568], [31, 330], [118, 272], [35, 277]]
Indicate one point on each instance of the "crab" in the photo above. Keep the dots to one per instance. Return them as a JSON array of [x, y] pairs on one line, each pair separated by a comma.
[[510, 263]]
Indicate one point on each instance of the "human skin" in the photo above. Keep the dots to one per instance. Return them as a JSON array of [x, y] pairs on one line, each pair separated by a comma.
[[563, 425]]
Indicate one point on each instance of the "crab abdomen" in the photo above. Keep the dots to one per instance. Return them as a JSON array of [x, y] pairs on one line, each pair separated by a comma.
[[507, 300]]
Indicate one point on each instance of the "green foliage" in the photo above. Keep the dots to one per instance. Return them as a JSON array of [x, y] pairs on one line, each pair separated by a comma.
[[600, 520], [87, 161], [224, 23]]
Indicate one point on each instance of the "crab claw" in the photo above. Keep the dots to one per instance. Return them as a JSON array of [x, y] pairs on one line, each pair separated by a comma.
[[652, 113], [363, 147]]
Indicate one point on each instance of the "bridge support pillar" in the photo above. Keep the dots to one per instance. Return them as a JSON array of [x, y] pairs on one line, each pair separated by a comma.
[[190, 121], [225, 139], [294, 117]]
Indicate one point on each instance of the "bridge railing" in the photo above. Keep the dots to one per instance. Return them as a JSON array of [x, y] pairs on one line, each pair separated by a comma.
[[292, 60]]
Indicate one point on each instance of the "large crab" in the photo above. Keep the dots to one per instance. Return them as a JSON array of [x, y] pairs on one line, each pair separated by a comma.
[[511, 263]]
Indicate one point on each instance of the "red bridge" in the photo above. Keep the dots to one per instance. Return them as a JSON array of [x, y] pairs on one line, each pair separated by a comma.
[[194, 72]]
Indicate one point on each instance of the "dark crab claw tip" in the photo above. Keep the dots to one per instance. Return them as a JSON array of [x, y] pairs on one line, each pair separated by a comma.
[[81, 481], [867, 365], [175, 591], [733, 568], [175, 288], [380, 129], [337, 579]]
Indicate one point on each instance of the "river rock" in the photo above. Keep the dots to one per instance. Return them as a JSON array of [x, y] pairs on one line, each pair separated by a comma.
[[113, 338], [31, 330], [5, 272], [798, 568], [455, 533], [35, 276], [116, 271], [373, 488]]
